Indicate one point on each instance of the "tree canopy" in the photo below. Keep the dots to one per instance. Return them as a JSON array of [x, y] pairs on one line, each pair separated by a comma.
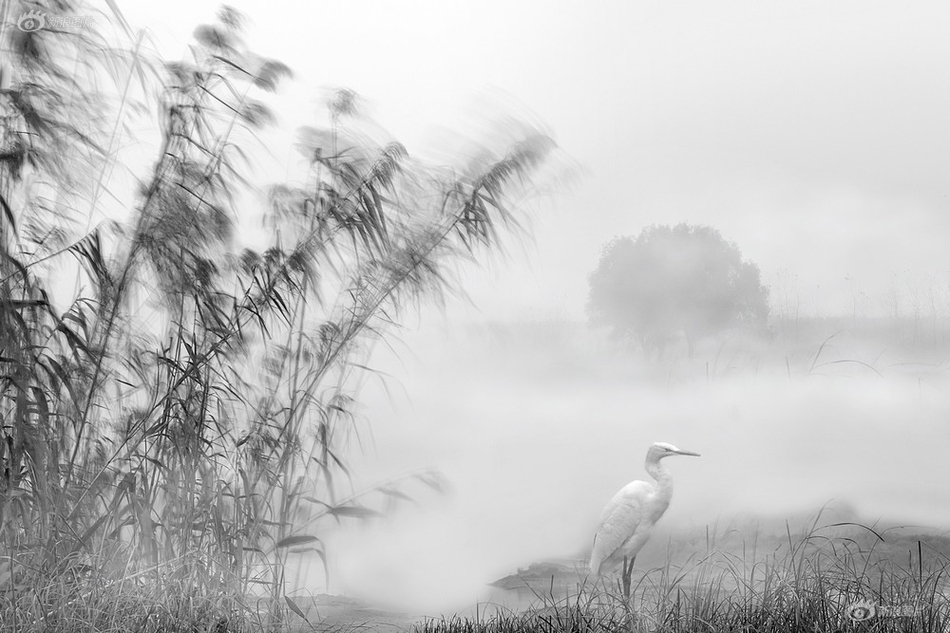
[[670, 280]]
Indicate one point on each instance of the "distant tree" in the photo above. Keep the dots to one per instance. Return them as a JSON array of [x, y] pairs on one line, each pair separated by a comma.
[[675, 279]]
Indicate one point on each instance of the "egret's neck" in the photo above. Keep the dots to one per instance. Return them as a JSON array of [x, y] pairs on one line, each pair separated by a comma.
[[664, 481]]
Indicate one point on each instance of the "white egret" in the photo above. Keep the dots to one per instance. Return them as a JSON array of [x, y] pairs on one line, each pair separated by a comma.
[[628, 518]]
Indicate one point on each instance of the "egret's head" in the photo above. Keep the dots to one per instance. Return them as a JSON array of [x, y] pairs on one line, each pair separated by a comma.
[[659, 450]]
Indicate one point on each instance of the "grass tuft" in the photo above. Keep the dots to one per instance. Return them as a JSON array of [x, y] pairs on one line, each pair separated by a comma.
[[834, 578]]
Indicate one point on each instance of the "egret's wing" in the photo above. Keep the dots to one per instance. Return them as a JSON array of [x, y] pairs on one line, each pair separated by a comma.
[[619, 522]]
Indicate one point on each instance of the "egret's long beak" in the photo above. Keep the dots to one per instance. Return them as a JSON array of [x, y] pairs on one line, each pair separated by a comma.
[[690, 453]]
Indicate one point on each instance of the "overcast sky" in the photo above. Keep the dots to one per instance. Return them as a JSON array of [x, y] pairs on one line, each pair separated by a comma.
[[813, 134]]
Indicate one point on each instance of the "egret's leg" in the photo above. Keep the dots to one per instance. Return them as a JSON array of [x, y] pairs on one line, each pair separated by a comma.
[[627, 571], [625, 579], [623, 573]]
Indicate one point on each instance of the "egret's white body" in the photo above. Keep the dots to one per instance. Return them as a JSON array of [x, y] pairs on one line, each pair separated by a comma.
[[628, 518]]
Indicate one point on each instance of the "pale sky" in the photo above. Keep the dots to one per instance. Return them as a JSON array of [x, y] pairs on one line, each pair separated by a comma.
[[815, 135]]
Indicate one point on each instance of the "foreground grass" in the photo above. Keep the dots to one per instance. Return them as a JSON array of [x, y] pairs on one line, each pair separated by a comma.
[[841, 578]]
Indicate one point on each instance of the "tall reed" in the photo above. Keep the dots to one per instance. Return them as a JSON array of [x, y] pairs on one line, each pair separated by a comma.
[[181, 425]]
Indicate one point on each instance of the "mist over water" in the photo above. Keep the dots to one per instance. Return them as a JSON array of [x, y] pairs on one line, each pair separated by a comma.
[[535, 425], [390, 354], [813, 135]]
